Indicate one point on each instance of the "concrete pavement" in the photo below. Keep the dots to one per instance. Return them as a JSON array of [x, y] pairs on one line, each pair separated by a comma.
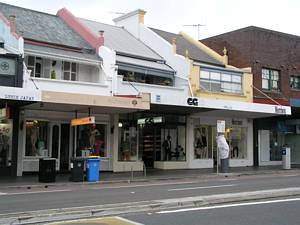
[[192, 195], [31, 180]]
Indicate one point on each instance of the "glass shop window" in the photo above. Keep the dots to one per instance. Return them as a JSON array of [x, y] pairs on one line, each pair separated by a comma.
[[91, 140], [127, 141], [5, 142], [203, 142], [36, 138], [237, 139]]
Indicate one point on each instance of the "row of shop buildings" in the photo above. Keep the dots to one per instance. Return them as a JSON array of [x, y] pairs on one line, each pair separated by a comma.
[[155, 97]]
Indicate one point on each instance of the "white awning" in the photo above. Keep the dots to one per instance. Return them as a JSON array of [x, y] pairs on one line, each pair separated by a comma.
[[236, 108]]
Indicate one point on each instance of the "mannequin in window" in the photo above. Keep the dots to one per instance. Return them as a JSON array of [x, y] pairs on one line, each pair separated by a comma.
[[167, 145], [93, 133], [235, 152], [125, 147], [34, 133], [203, 143]]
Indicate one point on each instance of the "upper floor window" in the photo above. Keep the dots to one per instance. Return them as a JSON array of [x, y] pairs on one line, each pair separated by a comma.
[[270, 79], [295, 82], [221, 81], [47, 68], [70, 71], [35, 65]]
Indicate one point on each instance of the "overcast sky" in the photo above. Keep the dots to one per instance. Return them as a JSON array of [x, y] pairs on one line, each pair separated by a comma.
[[218, 16]]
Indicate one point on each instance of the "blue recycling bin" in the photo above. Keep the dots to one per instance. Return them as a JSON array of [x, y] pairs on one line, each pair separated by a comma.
[[92, 166]]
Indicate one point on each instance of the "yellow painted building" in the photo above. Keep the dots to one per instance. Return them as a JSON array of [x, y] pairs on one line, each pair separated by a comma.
[[198, 91]]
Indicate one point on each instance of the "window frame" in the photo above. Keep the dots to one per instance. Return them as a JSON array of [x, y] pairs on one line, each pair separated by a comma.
[[70, 71], [292, 81], [222, 81], [270, 79]]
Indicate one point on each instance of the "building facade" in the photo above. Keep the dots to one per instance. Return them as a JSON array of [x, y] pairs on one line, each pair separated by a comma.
[[13, 95], [274, 61], [217, 91]]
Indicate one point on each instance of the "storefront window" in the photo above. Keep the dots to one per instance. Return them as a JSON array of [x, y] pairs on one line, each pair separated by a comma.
[[152, 137], [173, 144], [91, 140], [203, 142], [127, 141], [237, 140], [36, 138], [5, 142]]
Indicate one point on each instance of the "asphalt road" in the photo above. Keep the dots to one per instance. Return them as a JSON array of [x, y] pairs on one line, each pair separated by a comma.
[[273, 212], [23, 200]]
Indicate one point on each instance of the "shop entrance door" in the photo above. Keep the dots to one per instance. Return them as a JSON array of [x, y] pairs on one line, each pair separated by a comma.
[[64, 147]]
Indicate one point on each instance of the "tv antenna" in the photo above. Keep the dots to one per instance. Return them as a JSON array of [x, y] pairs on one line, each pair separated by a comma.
[[118, 13], [196, 25]]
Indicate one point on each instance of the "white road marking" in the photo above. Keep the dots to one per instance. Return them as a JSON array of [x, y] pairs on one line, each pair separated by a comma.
[[229, 205], [291, 175], [128, 221], [36, 192], [2, 193], [202, 187], [144, 185]]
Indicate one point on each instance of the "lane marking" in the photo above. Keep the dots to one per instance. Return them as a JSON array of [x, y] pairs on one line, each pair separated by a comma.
[[144, 185], [229, 205], [2, 193], [291, 175], [37, 192], [203, 187]]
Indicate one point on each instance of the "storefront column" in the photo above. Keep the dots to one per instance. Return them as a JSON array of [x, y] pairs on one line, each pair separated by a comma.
[[115, 140], [189, 139], [15, 139], [21, 145]]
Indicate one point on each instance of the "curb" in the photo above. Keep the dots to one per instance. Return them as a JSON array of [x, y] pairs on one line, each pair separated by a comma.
[[154, 178], [47, 216]]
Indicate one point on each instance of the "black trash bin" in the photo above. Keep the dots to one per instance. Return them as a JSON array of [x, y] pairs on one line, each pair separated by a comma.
[[77, 169], [47, 171]]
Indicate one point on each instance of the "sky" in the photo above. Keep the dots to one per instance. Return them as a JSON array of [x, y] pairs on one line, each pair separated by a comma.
[[217, 16]]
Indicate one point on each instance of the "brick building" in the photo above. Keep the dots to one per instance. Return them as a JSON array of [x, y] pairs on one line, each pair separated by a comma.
[[274, 59]]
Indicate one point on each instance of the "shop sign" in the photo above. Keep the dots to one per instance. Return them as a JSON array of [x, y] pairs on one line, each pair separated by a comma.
[[7, 66], [192, 101], [4, 113], [83, 121], [221, 126], [150, 120], [279, 110]]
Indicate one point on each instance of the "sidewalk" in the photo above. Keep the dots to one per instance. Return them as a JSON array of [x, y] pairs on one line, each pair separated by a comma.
[[31, 180]]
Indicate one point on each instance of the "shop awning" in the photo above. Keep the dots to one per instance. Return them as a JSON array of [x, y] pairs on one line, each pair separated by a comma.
[[224, 108], [19, 94], [71, 102], [145, 66]]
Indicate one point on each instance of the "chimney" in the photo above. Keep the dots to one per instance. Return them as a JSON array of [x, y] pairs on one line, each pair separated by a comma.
[[12, 19], [225, 56], [174, 45], [141, 14], [101, 38], [131, 21]]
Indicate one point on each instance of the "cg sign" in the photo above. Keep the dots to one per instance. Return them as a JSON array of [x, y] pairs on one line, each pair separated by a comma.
[[192, 101]]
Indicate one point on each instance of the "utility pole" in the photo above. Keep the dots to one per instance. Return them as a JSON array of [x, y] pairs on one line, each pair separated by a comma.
[[196, 25]]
